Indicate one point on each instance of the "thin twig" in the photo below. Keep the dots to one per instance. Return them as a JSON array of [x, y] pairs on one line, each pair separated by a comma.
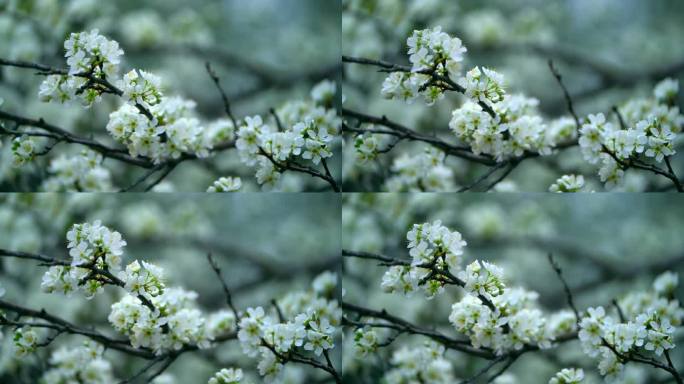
[[146, 368], [224, 285], [512, 164], [167, 363], [621, 314], [224, 97], [566, 94], [293, 166], [169, 168], [484, 370], [568, 293]]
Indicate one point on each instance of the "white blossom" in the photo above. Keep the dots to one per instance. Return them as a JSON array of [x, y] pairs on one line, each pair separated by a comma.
[[568, 376], [226, 184], [568, 183], [227, 376]]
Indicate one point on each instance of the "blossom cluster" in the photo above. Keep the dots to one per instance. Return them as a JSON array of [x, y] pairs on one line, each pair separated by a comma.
[[568, 376], [227, 376], [648, 326], [175, 130], [491, 121], [87, 54], [172, 323], [149, 123], [516, 128], [303, 129], [226, 184], [25, 341], [146, 280], [142, 88], [94, 249], [515, 321], [483, 85], [162, 128], [431, 52], [422, 172], [367, 147], [420, 364], [490, 314], [84, 364], [435, 59], [303, 322], [365, 341], [23, 150], [568, 183], [649, 132], [482, 278], [151, 314], [432, 246], [83, 172]]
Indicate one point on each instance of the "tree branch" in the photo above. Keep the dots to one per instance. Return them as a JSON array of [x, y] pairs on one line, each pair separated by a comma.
[[296, 167], [224, 98], [568, 293], [226, 290]]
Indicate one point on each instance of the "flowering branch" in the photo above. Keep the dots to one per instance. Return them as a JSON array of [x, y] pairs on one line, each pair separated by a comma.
[[60, 134], [61, 325], [296, 167], [435, 271], [224, 98], [623, 357], [444, 81], [507, 128], [404, 133], [631, 161], [568, 294], [403, 326], [511, 326], [566, 94], [226, 290], [159, 131], [161, 323], [93, 80]]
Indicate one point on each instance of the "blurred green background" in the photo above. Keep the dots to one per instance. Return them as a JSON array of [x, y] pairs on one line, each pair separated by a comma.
[[267, 245], [607, 246]]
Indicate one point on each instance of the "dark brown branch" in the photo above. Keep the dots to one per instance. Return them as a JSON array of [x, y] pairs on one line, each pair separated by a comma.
[[436, 78], [96, 273], [224, 285], [511, 359], [63, 135], [638, 164], [224, 98], [169, 167], [447, 276], [482, 178], [568, 293], [404, 326], [298, 358], [566, 94], [62, 325], [484, 370], [621, 315], [619, 116], [406, 133], [144, 370], [92, 80], [296, 167], [511, 165], [143, 178], [165, 365]]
